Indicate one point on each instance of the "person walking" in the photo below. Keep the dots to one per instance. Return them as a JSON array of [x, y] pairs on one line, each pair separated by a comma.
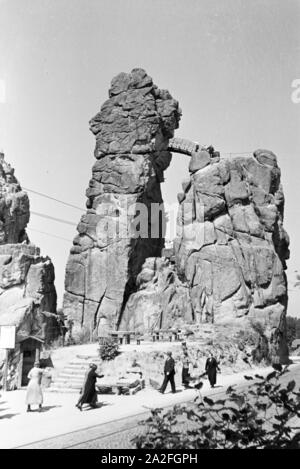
[[185, 375], [34, 395], [88, 392], [62, 329], [169, 372], [211, 368]]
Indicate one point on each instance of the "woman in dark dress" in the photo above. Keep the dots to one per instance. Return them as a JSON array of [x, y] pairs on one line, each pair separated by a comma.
[[185, 376], [211, 368], [88, 392]]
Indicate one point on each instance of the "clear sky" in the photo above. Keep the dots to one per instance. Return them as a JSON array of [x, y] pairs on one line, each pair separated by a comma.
[[230, 64]]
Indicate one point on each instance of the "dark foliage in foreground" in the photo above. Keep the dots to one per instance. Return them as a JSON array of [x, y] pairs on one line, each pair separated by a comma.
[[263, 416]]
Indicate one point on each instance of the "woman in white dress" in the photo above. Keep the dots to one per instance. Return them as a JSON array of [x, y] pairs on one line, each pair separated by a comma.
[[34, 394]]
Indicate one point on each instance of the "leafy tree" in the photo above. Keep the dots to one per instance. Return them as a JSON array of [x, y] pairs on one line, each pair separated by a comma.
[[260, 417]]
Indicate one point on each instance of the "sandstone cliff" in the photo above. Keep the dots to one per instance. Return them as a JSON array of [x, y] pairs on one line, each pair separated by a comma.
[[231, 247], [162, 300], [27, 291], [132, 133], [230, 251]]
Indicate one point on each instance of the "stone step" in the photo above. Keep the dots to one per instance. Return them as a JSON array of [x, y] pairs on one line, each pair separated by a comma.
[[62, 390], [73, 366], [89, 358], [81, 364], [66, 379], [59, 384], [71, 375], [78, 363], [62, 377], [70, 378], [68, 384]]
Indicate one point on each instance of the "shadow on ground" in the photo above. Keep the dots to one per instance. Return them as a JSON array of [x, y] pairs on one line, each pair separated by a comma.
[[8, 416], [46, 408], [98, 406]]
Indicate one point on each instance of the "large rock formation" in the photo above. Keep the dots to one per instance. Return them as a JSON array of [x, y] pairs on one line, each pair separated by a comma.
[[27, 291], [162, 300], [230, 250], [232, 246], [132, 132]]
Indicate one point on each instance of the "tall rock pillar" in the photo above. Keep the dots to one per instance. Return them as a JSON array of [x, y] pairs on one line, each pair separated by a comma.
[[119, 231]]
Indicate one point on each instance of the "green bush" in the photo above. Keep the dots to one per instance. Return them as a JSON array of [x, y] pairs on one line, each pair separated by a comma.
[[257, 418], [109, 350]]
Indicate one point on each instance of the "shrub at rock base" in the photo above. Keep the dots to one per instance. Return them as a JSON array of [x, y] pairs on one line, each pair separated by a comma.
[[109, 350]]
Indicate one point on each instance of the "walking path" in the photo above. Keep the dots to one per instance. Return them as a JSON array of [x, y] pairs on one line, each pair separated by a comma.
[[60, 416]]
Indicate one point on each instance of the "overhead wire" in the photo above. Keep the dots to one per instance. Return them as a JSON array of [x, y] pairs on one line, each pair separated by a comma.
[[49, 234], [41, 194], [49, 217], [68, 222]]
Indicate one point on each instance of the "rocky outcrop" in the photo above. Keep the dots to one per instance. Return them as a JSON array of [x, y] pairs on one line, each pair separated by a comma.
[[162, 300], [27, 291], [14, 206], [231, 243], [230, 252], [231, 246], [114, 238]]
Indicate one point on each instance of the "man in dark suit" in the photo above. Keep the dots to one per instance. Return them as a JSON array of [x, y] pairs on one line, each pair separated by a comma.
[[211, 368], [169, 371]]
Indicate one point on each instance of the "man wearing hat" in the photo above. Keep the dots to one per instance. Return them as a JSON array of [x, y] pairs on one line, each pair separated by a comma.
[[169, 372]]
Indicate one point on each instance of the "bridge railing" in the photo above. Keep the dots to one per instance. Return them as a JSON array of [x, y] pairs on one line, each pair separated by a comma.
[[182, 145]]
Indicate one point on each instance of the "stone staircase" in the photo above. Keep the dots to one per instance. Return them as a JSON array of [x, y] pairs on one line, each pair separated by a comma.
[[70, 379]]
